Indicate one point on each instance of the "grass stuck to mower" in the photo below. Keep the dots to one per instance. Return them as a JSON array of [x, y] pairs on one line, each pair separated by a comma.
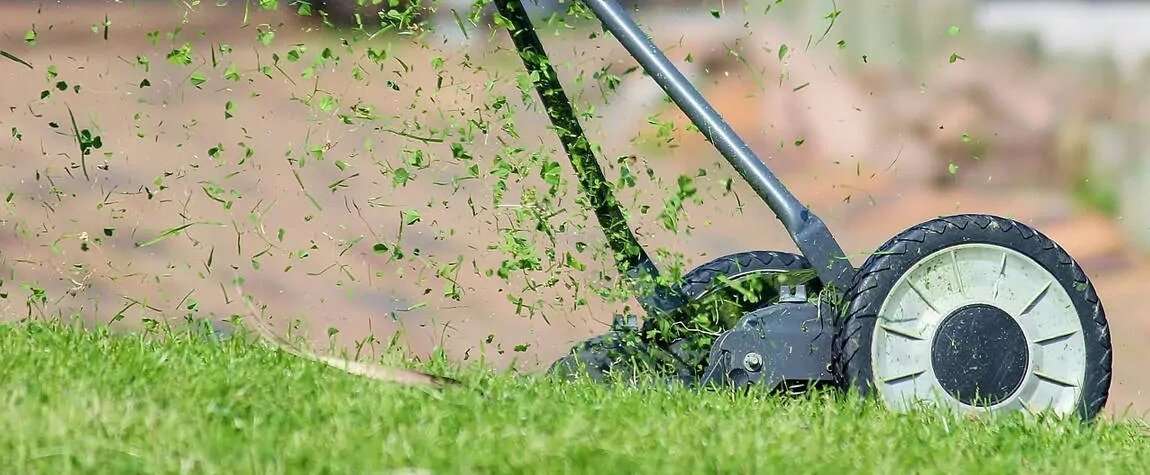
[[83, 401]]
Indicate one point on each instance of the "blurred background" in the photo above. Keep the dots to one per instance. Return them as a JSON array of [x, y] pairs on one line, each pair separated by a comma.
[[369, 183]]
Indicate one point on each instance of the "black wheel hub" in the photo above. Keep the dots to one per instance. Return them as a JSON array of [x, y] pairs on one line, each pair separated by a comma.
[[980, 355]]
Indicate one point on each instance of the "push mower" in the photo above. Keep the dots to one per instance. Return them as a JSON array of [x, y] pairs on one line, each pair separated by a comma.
[[975, 313]]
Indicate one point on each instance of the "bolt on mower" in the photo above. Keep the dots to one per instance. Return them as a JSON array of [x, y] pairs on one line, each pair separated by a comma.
[[975, 313]]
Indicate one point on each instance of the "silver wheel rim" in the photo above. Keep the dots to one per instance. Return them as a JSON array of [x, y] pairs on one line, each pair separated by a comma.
[[970, 274]]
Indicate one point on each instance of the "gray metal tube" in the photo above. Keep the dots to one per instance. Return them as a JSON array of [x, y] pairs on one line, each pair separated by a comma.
[[788, 208]]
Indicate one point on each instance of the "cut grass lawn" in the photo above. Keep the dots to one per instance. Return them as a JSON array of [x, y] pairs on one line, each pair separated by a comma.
[[77, 400]]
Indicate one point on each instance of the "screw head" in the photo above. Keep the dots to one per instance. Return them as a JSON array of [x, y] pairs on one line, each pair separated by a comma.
[[753, 361]]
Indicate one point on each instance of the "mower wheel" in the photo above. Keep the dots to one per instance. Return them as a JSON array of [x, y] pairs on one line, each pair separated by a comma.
[[702, 280], [614, 355], [979, 314], [615, 352]]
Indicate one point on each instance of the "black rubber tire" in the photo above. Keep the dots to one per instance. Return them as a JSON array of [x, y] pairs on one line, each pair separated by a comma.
[[595, 357], [852, 350], [700, 280]]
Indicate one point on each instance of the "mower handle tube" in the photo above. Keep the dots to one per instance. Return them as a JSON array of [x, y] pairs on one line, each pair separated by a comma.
[[810, 234]]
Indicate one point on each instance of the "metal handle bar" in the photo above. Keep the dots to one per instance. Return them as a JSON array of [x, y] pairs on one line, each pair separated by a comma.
[[809, 233]]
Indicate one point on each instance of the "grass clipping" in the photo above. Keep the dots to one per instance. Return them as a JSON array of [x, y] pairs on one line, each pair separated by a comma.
[[378, 372]]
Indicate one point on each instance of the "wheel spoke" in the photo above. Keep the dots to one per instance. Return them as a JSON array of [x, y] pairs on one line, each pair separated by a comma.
[[904, 317], [903, 377], [910, 282], [957, 274], [1056, 337], [1034, 300], [1001, 275], [903, 333], [1055, 380]]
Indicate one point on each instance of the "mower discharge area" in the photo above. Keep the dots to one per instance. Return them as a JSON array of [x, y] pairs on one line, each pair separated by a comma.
[[974, 313]]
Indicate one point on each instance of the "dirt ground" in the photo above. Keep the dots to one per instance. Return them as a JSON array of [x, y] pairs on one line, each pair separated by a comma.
[[156, 170]]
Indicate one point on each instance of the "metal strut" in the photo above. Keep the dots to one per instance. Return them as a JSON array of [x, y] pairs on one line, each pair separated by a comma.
[[630, 257]]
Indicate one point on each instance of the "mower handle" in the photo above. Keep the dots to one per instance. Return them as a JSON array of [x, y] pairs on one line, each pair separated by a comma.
[[810, 234]]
